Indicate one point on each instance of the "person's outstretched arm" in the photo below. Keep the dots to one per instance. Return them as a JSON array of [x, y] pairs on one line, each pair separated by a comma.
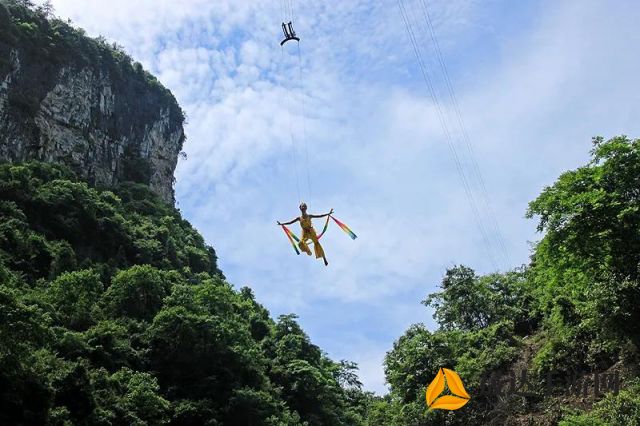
[[289, 223], [316, 216]]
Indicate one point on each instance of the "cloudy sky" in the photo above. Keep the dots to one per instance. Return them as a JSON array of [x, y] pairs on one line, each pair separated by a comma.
[[349, 124]]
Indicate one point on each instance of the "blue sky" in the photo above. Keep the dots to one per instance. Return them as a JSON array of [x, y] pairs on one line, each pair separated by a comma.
[[535, 80]]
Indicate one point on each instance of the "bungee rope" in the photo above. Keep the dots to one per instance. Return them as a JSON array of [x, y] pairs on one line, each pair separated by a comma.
[[291, 236]]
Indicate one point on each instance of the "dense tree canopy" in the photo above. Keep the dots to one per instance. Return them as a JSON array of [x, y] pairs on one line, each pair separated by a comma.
[[113, 311], [573, 310]]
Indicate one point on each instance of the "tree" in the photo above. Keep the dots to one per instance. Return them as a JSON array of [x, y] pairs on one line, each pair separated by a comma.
[[137, 292], [171, 332], [47, 9], [591, 247], [74, 294], [134, 398], [196, 355], [24, 395], [469, 302], [591, 215], [463, 302]]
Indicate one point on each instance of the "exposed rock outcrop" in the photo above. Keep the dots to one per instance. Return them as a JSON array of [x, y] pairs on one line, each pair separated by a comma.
[[71, 99]]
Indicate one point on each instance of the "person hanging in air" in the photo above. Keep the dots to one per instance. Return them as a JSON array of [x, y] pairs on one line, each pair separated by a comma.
[[309, 233]]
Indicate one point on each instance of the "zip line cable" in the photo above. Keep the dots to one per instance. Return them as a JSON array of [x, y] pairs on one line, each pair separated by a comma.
[[445, 127], [291, 8], [475, 169], [288, 8], [304, 123], [304, 113], [287, 15], [282, 11], [465, 134], [458, 157], [443, 122], [293, 144], [474, 173], [474, 176]]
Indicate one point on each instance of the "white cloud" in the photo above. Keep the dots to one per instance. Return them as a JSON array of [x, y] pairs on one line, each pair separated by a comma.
[[532, 97]]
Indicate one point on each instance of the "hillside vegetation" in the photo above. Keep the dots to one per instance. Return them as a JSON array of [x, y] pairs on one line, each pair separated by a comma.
[[71, 99], [573, 311], [113, 311], [56, 43]]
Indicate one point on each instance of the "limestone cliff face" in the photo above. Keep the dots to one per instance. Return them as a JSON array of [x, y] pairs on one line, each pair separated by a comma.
[[67, 98]]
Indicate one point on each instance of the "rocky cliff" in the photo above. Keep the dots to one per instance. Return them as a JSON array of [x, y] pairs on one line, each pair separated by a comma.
[[68, 98]]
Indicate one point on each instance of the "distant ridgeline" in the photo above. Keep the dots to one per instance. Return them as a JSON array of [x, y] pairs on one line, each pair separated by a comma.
[[67, 98]]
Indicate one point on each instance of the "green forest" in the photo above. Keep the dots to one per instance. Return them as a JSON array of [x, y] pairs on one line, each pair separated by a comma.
[[571, 312], [113, 310]]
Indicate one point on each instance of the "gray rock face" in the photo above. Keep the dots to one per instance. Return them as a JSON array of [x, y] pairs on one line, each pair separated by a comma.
[[101, 115]]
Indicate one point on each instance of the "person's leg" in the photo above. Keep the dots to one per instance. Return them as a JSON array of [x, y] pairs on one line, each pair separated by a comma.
[[319, 251], [304, 246]]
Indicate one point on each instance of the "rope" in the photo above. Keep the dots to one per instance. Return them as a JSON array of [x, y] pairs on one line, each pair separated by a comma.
[[443, 122], [304, 123], [282, 9], [465, 133], [289, 16], [291, 9], [293, 144], [288, 12]]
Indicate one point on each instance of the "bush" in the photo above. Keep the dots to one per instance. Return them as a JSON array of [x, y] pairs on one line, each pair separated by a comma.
[[73, 294], [137, 293]]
